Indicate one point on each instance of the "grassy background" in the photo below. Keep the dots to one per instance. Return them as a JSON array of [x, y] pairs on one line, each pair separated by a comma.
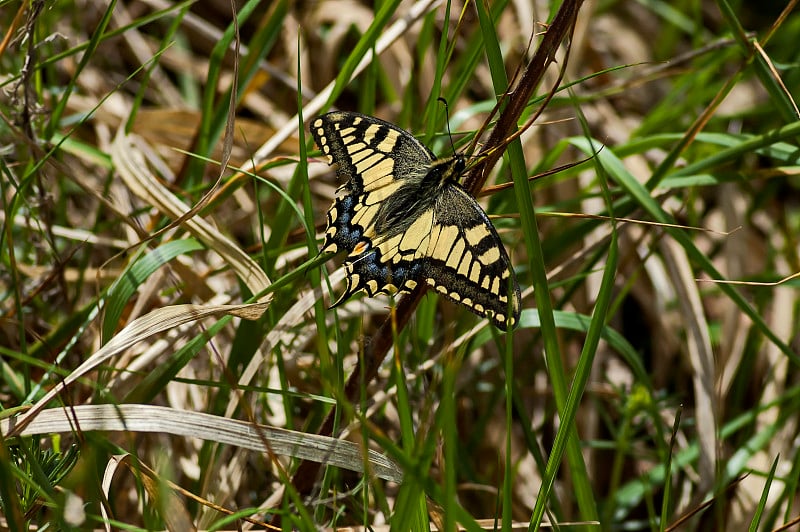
[[636, 394]]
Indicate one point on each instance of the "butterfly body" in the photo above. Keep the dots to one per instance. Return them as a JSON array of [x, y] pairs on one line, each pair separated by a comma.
[[405, 220]]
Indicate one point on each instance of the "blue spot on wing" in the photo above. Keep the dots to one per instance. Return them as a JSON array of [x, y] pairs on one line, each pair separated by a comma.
[[391, 278], [340, 217]]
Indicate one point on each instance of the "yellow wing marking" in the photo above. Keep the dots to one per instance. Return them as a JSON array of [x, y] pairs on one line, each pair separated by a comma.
[[409, 245], [382, 164], [456, 253], [466, 262], [418, 234]]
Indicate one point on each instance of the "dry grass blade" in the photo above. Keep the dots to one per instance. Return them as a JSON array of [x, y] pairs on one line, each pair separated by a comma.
[[226, 431], [701, 358], [155, 322], [173, 509], [130, 159], [278, 334]]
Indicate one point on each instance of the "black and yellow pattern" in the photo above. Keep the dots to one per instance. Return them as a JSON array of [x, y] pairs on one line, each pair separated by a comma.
[[404, 219]]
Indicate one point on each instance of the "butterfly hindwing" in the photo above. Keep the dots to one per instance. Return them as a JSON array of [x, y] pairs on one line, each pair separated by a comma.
[[466, 261], [404, 220]]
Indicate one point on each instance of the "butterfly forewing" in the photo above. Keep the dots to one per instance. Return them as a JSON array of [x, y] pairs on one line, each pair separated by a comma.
[[404, 220]]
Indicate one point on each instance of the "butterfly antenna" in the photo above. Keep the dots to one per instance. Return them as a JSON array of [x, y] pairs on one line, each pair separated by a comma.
[[447, 115]]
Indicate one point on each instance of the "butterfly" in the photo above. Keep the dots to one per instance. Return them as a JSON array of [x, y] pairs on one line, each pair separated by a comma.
[[404, 219]]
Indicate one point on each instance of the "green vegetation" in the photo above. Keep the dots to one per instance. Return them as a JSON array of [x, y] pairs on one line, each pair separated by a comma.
[[168, 359]]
